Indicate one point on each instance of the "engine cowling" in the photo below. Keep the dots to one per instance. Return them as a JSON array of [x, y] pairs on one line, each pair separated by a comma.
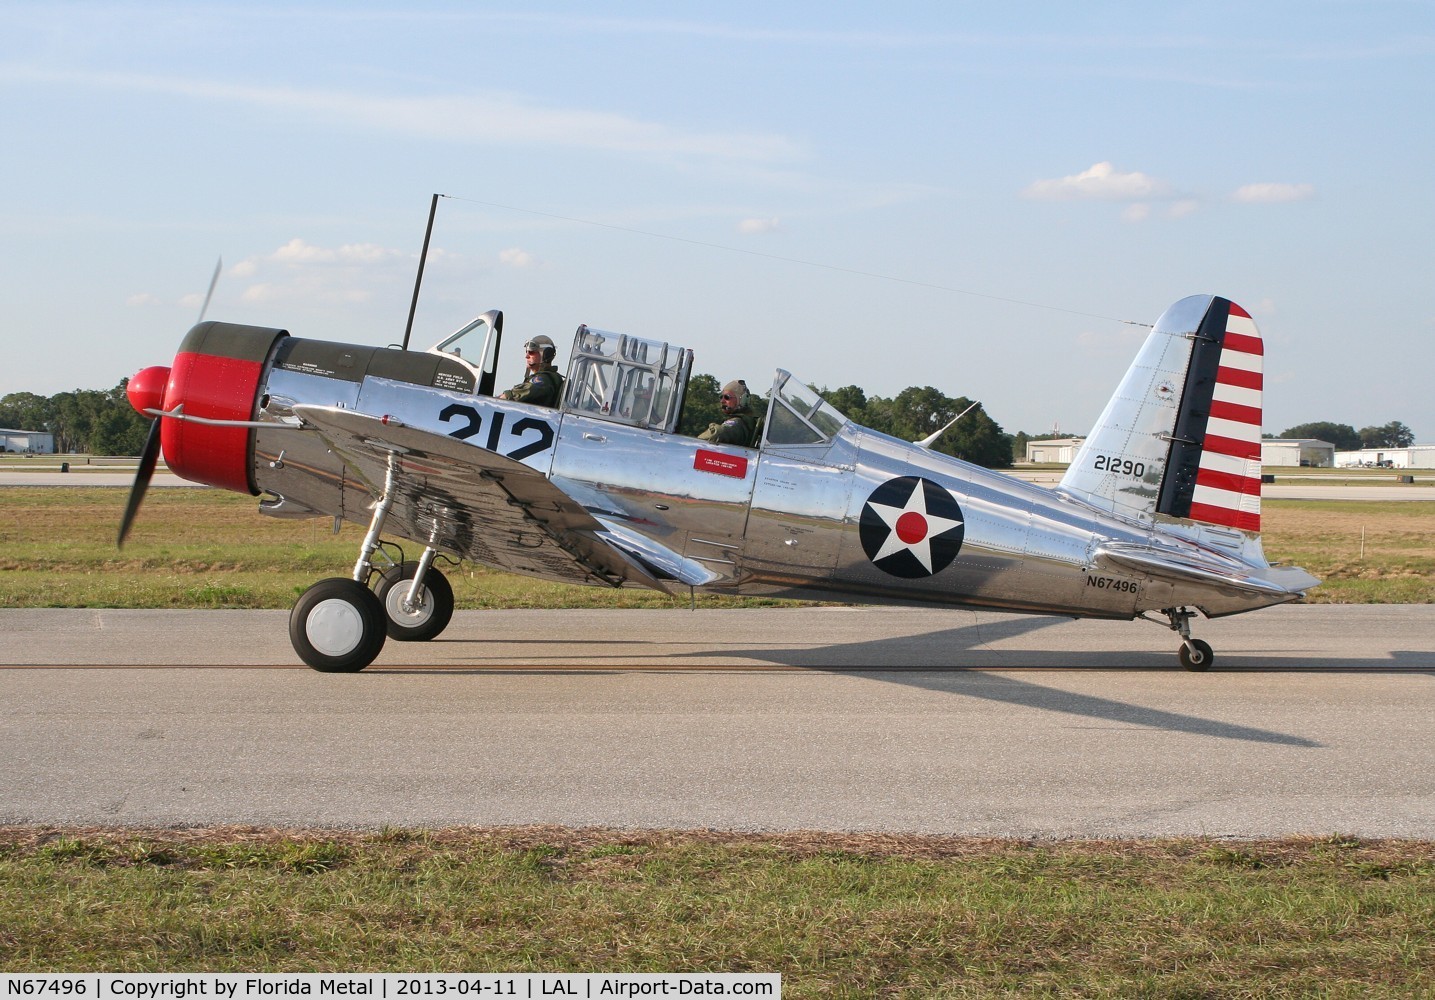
[[216, 376]]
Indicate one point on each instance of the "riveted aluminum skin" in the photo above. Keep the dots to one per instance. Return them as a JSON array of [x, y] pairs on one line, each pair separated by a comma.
[[823, 509]]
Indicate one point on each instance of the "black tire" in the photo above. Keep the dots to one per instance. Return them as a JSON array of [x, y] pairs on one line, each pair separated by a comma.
[[1201, 659], [337, 626], [434, 614]]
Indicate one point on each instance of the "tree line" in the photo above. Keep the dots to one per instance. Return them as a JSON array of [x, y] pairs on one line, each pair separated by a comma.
[[85, 421], [1347, 438], [913, 414]]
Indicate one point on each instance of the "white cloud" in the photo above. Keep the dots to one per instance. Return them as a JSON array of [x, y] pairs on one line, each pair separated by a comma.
[[514, 257], [1138, 212], [365, 253], [143, 300], [301, 272], [1270, 194], [757, 226], [1101, 182], [482, 117], [296, 251], [260, 293]]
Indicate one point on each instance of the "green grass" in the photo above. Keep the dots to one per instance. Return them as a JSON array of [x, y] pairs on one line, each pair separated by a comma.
[[193, 548], [1364, 553], [210, 549], [200, 548], [837, 915]]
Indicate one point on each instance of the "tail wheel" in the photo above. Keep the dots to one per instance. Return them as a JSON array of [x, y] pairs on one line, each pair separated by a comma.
[[1196, 655], [337, 626], [435, 607]]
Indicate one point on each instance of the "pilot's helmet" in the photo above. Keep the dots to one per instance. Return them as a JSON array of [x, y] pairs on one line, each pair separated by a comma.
[[734, 395], [544, 346]]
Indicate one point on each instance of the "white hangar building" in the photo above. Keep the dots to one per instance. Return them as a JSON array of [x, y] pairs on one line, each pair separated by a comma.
[[1312, 452], [1054, 450], [1417, 456], [36, 442]]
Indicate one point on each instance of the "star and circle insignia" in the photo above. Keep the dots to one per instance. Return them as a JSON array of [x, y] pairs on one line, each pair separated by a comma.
[[911, 527]]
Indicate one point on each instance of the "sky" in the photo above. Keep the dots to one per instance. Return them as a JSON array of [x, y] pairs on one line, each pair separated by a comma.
[[984, 198]]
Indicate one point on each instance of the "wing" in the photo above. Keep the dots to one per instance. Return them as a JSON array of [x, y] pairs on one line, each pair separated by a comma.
[[474, 503]]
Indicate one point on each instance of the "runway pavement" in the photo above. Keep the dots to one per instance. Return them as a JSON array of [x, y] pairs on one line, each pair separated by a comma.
[[1316, 719]]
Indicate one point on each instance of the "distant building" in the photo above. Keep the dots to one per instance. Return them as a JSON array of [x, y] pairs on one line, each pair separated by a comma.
[[1297, 451], [1054, 450], [1417, 456], [34, 442]]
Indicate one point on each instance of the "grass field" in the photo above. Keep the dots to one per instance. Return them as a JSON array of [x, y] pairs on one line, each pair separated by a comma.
[[838, 916], [210, 549]]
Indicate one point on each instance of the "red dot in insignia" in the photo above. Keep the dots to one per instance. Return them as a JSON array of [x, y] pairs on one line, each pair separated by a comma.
[[911, 527]]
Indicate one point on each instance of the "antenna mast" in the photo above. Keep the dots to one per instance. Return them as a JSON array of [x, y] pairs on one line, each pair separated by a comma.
[[419, 279]]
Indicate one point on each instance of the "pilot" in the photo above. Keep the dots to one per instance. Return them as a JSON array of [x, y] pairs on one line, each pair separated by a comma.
[[542, 384], [740, 424]]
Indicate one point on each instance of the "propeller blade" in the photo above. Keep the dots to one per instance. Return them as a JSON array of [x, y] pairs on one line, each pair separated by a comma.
[[218, 266], [148, 457]]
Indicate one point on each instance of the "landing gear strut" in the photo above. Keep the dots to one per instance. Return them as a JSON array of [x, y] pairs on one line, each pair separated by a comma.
[[339, 625], [1194, 654], [417, 599]]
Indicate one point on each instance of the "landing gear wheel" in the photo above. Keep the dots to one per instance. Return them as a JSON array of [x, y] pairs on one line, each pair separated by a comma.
[[1200, 658], [434, 611], [337, 626]]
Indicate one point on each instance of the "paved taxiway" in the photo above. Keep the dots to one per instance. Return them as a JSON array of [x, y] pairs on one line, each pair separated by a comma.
[[1316, 719]]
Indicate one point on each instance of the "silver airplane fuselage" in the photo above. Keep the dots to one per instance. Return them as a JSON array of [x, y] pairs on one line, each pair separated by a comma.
[[1159, 511], [856, 515]]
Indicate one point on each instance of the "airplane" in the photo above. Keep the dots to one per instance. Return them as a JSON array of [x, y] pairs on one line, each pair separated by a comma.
[[1158, 517]]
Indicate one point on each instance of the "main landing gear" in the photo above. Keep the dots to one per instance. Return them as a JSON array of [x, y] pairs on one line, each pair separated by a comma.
[[339, 625], [1194, 654]]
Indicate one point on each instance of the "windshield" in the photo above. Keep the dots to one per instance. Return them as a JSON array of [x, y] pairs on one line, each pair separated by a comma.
[[798, 415], [476, 346]]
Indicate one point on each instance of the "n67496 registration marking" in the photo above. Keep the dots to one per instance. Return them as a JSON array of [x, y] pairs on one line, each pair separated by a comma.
[[1113, 583]]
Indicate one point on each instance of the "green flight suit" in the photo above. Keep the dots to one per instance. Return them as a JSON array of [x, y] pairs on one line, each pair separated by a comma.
[[738, 428], [541, 388]]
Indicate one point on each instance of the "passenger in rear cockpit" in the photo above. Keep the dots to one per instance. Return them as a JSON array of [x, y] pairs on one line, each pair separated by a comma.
[[741, 422]]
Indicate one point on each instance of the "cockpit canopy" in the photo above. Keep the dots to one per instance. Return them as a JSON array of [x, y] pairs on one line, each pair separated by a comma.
[[797, 415], [627, 380], [641, 383]]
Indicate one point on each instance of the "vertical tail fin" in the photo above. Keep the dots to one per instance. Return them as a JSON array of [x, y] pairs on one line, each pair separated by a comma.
[[1182, 435]]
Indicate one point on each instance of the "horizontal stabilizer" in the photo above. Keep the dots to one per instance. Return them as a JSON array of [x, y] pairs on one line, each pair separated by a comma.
[[1183, 568]]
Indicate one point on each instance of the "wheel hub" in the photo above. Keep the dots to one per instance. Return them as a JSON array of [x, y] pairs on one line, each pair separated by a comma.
[[399, 608], [334, 627]]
